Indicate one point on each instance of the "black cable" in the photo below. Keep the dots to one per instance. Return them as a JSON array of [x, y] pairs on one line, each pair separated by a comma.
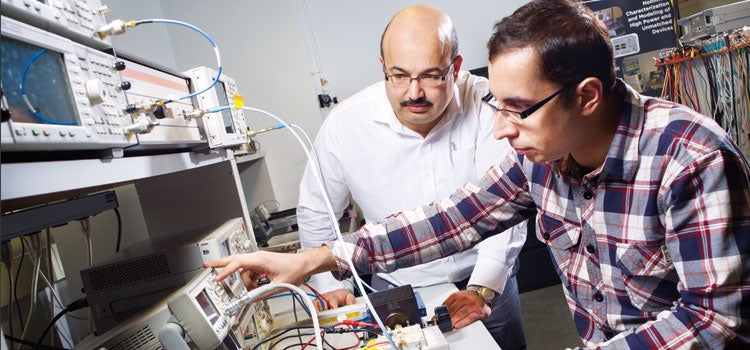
[[261, 342], [119, 229], [15, 284], [326, 331], [329, 344], [33, 345], [78, 304], [325, 342], [292, 346], [294, 312], [304, 307], [293, 336]]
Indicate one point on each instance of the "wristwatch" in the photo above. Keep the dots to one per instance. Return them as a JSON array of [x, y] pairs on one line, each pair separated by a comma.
[[485, 293]]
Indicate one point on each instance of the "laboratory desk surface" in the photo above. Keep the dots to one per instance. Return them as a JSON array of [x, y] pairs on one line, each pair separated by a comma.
[[472, 337]]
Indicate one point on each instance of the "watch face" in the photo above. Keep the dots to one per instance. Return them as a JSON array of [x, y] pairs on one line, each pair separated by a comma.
[[486, 293]]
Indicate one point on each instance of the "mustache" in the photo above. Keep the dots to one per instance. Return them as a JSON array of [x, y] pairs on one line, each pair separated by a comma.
[[418, 102]]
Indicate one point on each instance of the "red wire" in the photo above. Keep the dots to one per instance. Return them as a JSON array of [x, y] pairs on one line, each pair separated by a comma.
[[322, 331], [359, 341], [328, 304], [357, 324]]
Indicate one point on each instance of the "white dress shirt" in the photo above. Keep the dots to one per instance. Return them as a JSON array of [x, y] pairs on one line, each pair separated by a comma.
[[364, 151]]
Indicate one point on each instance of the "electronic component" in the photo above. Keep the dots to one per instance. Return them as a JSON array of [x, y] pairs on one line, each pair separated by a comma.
[[34, 219], [277, 231], [151, 83], [193, 316], [226, 128], [412, 338], [715, 20], [396, 306], [74, 19], [60, 95], [201, 310], [354, 312], [625, 45], [228, 239], [442, 319], [147, 271]]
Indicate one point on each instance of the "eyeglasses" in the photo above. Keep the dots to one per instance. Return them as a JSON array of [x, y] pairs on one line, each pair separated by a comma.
[[423, 80], [518, 117]]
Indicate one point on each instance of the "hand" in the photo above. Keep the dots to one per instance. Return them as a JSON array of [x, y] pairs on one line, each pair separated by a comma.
[[465, 307], [336, 298], [280, 267]]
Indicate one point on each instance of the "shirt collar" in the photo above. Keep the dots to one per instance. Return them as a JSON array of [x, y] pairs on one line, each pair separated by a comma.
[[623, 155]]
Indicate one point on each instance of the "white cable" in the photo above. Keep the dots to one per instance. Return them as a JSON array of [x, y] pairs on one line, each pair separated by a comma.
[[34, 279], [256, 293], [86, 230], [47, 236], [334, 223], [310, 144], [55, 298], [314, 46]]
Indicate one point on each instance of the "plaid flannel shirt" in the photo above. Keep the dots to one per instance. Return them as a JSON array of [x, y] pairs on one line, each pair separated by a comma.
[[652, 247]]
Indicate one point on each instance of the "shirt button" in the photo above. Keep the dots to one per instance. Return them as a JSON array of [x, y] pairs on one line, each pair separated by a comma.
[[590, 248], [545, 235], [598, 297], [587, 195]]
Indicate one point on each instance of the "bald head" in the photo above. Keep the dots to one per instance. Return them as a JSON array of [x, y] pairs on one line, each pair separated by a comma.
[[421, 23]]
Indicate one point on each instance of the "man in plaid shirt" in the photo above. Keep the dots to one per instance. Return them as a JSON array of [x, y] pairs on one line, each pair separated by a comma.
[[644, 203]]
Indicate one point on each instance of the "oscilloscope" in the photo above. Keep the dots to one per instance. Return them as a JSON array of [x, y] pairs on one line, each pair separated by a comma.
[[61, 95]]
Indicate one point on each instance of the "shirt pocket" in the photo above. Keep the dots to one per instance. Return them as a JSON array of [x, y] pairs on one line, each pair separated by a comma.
[[648, 275], [462, 161], [561, 237]]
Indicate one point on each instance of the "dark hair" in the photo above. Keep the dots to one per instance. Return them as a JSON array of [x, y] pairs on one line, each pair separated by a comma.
[[570, 42]]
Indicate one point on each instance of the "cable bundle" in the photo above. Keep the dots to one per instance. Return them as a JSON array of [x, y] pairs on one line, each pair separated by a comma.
[[712, 79]]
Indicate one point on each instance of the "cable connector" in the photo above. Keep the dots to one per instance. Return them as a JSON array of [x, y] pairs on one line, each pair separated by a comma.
[[251, 133], [78, 304], [142, 126], [247, 297], [115, 27], [196, 113], [145, 106]]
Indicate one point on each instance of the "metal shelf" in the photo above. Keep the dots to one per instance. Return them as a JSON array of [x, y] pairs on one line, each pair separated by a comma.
[[25, 184]]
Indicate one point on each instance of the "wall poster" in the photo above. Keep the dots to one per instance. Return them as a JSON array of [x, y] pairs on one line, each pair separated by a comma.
[[639, 30]]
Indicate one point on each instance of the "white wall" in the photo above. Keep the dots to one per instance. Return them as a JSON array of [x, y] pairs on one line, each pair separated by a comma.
[[152, 41], [348, 34]]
